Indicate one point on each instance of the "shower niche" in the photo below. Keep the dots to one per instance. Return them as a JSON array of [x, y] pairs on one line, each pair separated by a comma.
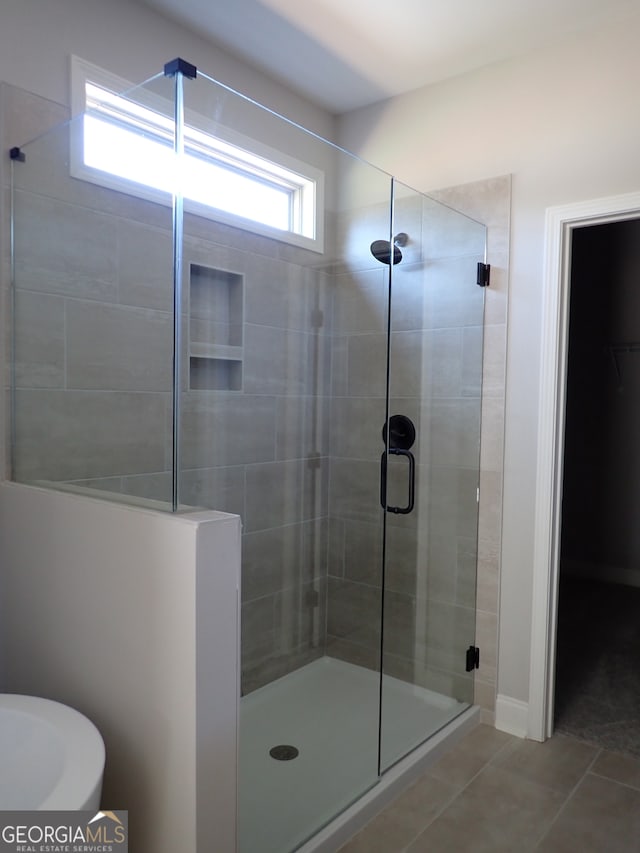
[[215, 329]]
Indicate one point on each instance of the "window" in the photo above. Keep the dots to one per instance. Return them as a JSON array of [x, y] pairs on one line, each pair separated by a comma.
[[128, 145]]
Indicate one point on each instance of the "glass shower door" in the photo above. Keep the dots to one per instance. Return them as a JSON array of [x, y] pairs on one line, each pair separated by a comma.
[[432, 471]]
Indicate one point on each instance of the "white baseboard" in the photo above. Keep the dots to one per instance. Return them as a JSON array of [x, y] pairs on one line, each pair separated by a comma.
[[512, 716]]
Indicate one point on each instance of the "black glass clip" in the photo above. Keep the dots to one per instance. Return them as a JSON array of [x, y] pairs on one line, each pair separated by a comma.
[[16, 154], [484, 274], [473, 658], [180, 66]]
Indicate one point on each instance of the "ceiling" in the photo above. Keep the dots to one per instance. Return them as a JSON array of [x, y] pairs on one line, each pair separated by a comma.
[[344, 55]]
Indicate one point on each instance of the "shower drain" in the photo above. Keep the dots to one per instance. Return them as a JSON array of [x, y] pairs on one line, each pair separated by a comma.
[[283, 752]]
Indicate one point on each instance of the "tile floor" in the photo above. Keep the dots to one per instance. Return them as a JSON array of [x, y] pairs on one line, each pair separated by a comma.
[[494, 792]]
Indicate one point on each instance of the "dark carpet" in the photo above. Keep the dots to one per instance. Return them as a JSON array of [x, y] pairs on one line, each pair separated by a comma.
[[597, 697]]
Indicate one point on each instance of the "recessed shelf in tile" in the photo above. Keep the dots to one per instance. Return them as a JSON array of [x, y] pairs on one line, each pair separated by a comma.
[[215, 305], [215, 374], [215, 329], [219, 351]]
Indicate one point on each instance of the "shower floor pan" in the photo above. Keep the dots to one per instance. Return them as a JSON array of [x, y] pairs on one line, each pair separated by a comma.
[[327, 711]]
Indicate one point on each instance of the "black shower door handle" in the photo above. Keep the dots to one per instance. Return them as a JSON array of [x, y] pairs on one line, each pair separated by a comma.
[[398, 510]]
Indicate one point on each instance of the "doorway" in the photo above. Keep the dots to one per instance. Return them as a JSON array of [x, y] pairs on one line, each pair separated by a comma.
[[597, 686], [561, 224]]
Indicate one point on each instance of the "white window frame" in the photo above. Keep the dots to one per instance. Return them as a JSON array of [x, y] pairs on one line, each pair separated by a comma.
[[255, 159]]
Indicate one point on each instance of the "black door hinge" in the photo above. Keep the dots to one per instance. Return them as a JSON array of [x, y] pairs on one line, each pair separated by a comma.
[[473, 658], [484, 274]]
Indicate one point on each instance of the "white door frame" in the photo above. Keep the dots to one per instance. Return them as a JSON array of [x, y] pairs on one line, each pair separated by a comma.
[[560, 222]]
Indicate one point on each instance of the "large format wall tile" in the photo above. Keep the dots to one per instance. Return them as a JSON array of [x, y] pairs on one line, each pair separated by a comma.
[[356, 427], [362, 551], [400, 622], [258, 631], [353, 613], [275, 361], [224, 429], [39, 340], [406, 366], [447, 234], [118, 348], [145, 266], [222, 489], [360, 302], [72, 435], [156, 487], [281, 493], [443, 363], [406, 554], [60, 248], [452, 297], [354, 491], [473, 369], [452, 428], [287, 296], [366, 365], [268, 507], [279, 634], [408, 296], [270, 557], [302, 427]]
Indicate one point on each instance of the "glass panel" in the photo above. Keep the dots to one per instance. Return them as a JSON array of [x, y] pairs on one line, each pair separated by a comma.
[[92, 325], [435, 372], [283, 402]]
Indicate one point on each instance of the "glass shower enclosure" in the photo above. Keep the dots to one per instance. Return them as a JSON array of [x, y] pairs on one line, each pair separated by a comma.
[[303, 349]]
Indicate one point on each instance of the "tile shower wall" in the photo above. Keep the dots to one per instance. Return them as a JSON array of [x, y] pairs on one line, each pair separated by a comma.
[[259, 446], [489, 201], [22, 116], [358, 305], [93, 372], [93, 326], [284, 562]]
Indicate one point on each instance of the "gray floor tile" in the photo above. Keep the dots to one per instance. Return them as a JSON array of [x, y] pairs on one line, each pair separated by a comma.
[[618, 767], [559, 763], [494, 793], [466, 759], [498, 811], [399, 824], [600, 816]]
